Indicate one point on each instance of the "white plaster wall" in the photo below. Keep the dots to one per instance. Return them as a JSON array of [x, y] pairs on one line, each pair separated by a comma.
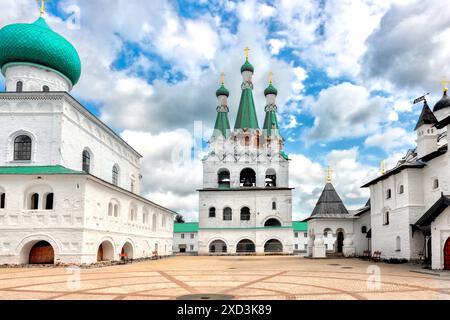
[[187, 241], [80, 221], [440, 232], [301, 241], [35, 78]]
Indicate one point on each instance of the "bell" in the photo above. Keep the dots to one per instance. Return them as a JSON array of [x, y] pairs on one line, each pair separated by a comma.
[[247, 182]]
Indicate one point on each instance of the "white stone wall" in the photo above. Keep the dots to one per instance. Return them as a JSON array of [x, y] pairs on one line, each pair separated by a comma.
[[61, 129], [187, 241], [34, 78], [80, 221], [440, 233], [301, 241]]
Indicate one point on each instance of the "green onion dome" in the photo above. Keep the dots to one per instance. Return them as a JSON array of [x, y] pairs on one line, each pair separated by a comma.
[[270, 90], [222, 91], [35, 43], [247, 66]]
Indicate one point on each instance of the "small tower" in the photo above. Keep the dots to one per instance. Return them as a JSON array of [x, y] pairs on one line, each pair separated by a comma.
[[426, 133], [35, 58], [222, 125], [271, 128]]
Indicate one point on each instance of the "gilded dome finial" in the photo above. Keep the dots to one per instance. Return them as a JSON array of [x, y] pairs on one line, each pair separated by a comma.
[[247, 49], [42, 8], [444, 83]]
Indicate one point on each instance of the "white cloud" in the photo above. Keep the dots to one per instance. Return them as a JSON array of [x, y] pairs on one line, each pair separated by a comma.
[[391, 139], [346, 110]]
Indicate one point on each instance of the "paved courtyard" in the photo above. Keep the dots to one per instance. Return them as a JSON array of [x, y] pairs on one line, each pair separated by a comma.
[[250, 277]]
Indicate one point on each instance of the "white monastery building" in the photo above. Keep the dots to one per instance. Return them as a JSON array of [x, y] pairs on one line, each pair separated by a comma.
[[245, 204], [69, 186]]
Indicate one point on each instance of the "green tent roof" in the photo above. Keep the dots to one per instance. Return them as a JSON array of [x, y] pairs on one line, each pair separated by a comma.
[[36, 43], [270, 122], [222, 125], [300, 226], [246, 117], [185, 227], [32, 170]]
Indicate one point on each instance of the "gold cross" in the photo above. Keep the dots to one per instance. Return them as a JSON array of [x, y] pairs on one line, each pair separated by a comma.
[[247, 49], [383, 167], [270, 77], [222, 78], [445, 82], [42, 8], [329, 172]]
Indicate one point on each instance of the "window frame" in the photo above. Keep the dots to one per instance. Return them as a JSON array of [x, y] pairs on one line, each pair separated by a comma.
[[18, 154]]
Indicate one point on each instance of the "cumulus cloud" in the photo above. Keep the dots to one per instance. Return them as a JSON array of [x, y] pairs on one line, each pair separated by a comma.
[[391, 139], [346, 110], [410, 48]]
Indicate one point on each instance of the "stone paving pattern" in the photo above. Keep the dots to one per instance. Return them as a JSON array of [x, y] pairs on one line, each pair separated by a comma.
[[244, 277]]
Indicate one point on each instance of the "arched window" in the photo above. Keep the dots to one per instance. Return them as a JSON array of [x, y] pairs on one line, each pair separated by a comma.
[[271, 178], [116, 210], [19, 86], [363, 229], [212, 212], [398, 244], [115, 175], [154, 222], [2, 200], [132, 184], [274, 205], [145, 217], [401, 189], [247, 141], [227, 214], [386, 218], [272, 223], [110, 209], [224, 179], [86, 161], [133, 213], [45, 89], [388, 194], [22, 148], [245, 214], [49, 201], [247, 178], [34, 202]]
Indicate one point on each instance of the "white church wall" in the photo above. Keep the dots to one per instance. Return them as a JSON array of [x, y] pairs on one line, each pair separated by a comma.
[[187, 239], [361, 242], [440, 233], [35, 78]]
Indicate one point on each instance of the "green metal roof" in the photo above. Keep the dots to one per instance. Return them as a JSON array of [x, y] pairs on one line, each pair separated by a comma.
[[32, 170], [270, 90], [271, 122], [37, 44], [247, 66], [185, 227], [222, 125], [246, 117], [222, 91], [300, 226]]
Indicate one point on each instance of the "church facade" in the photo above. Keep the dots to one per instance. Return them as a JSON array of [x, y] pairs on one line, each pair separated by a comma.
[[69, 185], [245, 204]]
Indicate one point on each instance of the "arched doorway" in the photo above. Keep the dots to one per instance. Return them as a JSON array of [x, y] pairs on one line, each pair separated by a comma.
[[273, 246], [105, 252], [272, 222], [447, 255], [218, 246], [340, 241], [127, 251], [245, 246], [42, 253]]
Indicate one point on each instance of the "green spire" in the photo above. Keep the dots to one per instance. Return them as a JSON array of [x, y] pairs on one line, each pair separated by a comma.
[[222, 125], [246, 117], [270, 122]]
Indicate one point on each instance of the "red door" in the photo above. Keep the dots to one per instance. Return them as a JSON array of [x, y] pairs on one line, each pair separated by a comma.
[[447, 255]]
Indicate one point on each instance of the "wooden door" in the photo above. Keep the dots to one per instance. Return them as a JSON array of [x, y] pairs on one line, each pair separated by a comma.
[[42, 253], [447, 255], [100, 253]]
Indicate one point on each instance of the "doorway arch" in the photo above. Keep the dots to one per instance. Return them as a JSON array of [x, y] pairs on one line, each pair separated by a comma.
[[273, 246], [339, 241], [245, 246], [127, 250], [41, 253], [105, 251], [447, 254], [272, 222], [218, 246]]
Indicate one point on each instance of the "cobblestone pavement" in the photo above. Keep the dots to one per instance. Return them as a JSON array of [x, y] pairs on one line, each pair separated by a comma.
[[247, 277]]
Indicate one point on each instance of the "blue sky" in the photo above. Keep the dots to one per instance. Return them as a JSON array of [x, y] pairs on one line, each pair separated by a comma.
[[346, 72]]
